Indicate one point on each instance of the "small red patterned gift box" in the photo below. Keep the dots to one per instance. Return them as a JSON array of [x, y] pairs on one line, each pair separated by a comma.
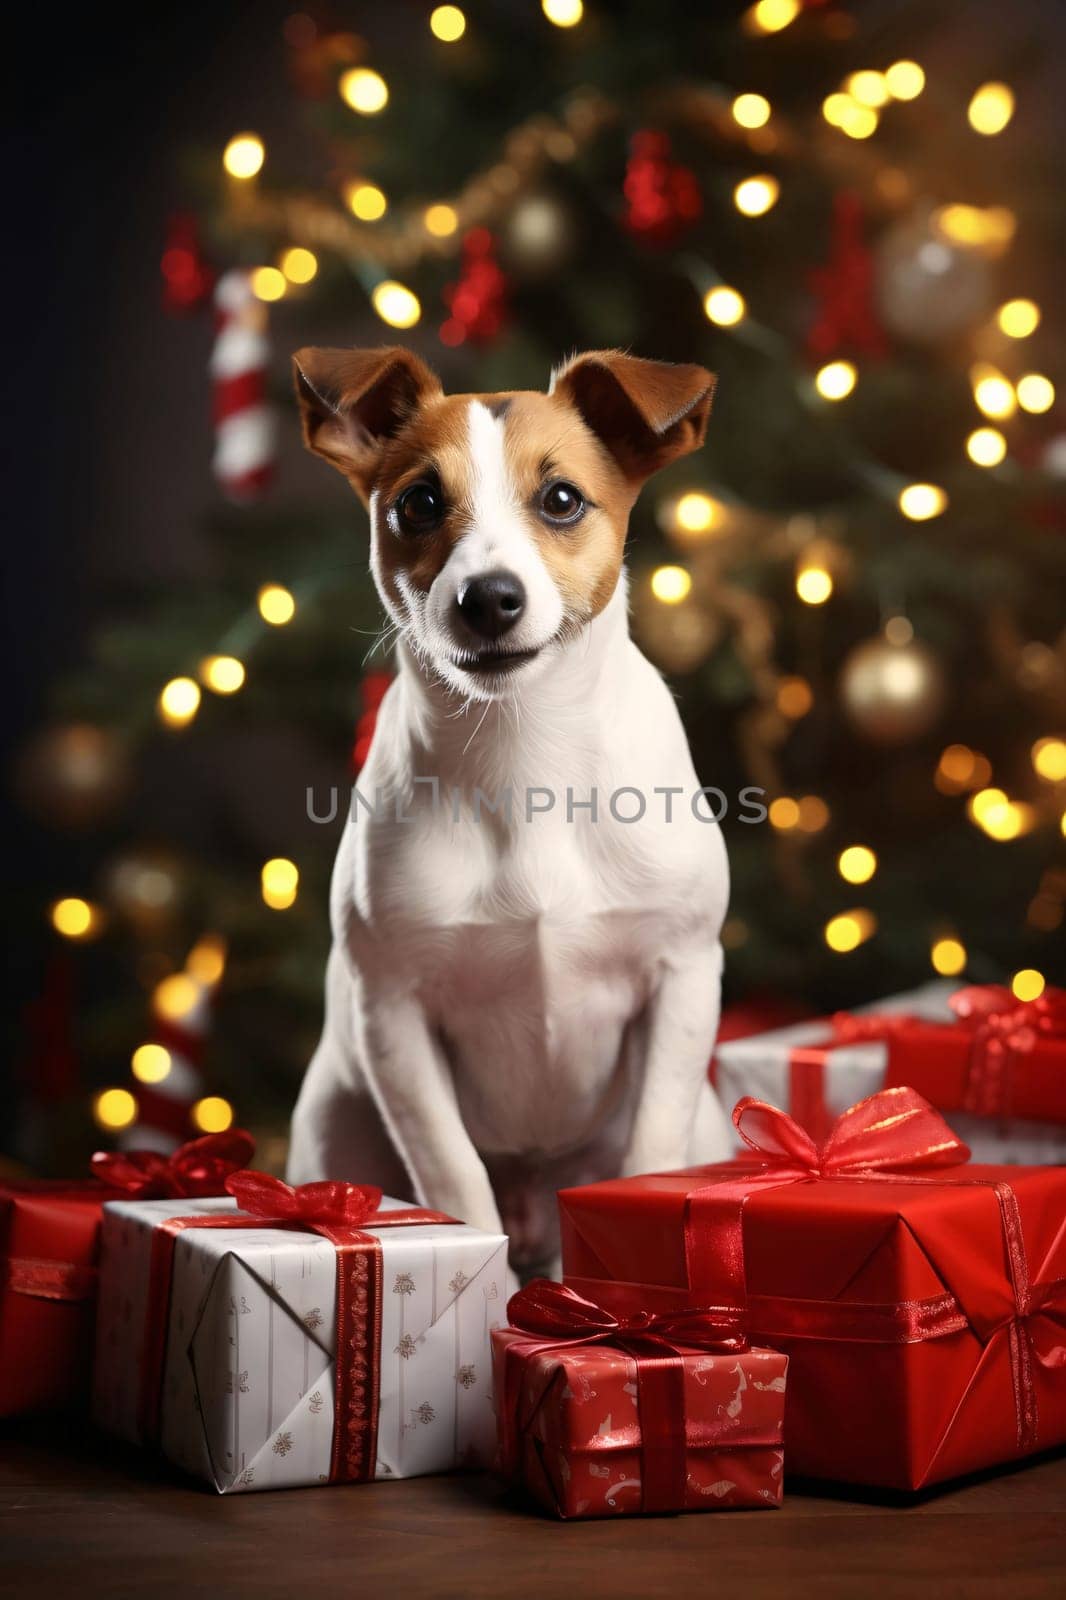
[[601, 1417]]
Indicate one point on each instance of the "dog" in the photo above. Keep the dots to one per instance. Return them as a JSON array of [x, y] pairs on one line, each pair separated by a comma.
[[524, 996]]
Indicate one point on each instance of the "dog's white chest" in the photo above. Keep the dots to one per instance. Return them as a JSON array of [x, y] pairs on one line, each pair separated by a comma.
[[531, 963]]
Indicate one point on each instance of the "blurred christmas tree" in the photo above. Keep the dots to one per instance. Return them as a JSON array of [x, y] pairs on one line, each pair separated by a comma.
[[855, 589]]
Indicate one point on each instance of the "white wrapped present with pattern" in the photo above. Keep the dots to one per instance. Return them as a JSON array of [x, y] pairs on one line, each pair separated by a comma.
[[218, 1334]]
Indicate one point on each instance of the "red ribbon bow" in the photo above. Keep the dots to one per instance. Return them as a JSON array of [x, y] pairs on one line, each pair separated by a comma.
[[558, 1316], [325, 1205], [1003, 1028], [198, 1170], [894, 1129], [563, 1316], [991, 1003]]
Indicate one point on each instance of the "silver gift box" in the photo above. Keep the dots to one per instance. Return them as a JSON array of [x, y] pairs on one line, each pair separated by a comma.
[[759, 1066], [248, 1380]]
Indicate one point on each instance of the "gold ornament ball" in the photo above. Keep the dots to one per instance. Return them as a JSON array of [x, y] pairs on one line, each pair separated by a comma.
[[145, 887], [892, 692], [539, 234], [74, 775], [677, 637]]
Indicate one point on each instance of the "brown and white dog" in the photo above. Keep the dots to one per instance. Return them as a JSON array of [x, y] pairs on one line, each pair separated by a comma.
[[521, 994]]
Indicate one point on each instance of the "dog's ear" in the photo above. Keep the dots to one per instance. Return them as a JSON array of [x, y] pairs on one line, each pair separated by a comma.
[[647, 413], [353, 401]]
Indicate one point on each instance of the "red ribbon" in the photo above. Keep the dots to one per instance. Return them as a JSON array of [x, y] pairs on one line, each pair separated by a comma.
[[198, 1170], [560, 1319], [807, 1063], [1004, 1031], [49, 1280], [892, 1136], [339, 1212]]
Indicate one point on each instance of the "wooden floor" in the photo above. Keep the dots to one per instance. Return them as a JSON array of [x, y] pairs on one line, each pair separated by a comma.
[[80, 1516]]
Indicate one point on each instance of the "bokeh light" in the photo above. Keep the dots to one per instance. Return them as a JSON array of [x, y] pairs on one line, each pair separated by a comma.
[[857, 864], [279, 882], [751, 110], [244, 155], [991, 108], [223, 674], [986, 447], [151, 1063], [276, 604], [364, 90], [835, 380], [212, 1114], [920, 501], [179, 701], [724, 306], [849, 930], [115, 1109], [447, 23], [395, 304], [948, 956], [753, 197], [74, 918], [671, 584]]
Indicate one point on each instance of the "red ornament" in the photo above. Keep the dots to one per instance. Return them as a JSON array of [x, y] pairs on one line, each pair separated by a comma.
[[662, 198], [846, 319], [187, 277], [372, 692], [478, 301]]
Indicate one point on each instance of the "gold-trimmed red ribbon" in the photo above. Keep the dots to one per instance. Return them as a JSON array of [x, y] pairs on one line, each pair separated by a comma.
[[339, 1212], [195, 1171], [892, 1136], [557, 1317]]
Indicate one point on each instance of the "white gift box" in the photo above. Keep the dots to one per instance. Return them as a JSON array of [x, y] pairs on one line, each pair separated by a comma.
[[760, 1066], [247, 1395]]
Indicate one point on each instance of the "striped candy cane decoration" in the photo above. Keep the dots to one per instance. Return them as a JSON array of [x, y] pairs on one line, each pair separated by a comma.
[[164, 1104], [244, 422]]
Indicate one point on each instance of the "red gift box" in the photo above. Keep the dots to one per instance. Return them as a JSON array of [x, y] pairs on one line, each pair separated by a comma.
[[1000, 1058], [921, 1300], [600, 1419], [49, 1235], [49, 1238]]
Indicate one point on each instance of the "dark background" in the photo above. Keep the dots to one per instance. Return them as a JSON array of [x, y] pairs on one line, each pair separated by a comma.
[[108, 433]]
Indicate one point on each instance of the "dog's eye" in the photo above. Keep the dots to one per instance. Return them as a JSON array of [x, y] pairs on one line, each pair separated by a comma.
[[561, 502], [420, 508]]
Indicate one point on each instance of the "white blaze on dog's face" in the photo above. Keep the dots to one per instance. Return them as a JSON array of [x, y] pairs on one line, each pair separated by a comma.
[[498, 522]]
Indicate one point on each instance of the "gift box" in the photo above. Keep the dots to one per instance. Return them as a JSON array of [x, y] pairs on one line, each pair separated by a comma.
[[600, 1417], [921, 1300], [49, 1241], [49, 1234], [219, 1326], [994, 1067]]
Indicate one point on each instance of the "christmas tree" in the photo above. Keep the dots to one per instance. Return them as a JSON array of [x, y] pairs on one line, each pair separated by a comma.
[[854, 590]]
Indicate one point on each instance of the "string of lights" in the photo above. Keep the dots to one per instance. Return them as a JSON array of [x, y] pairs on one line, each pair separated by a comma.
[[381, 242]]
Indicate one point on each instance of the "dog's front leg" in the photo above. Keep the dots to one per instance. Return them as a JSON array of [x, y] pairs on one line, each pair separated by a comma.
[[678, 1118], [412, 1082]]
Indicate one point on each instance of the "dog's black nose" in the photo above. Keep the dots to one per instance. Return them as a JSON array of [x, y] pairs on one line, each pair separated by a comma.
[[492, 603]]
